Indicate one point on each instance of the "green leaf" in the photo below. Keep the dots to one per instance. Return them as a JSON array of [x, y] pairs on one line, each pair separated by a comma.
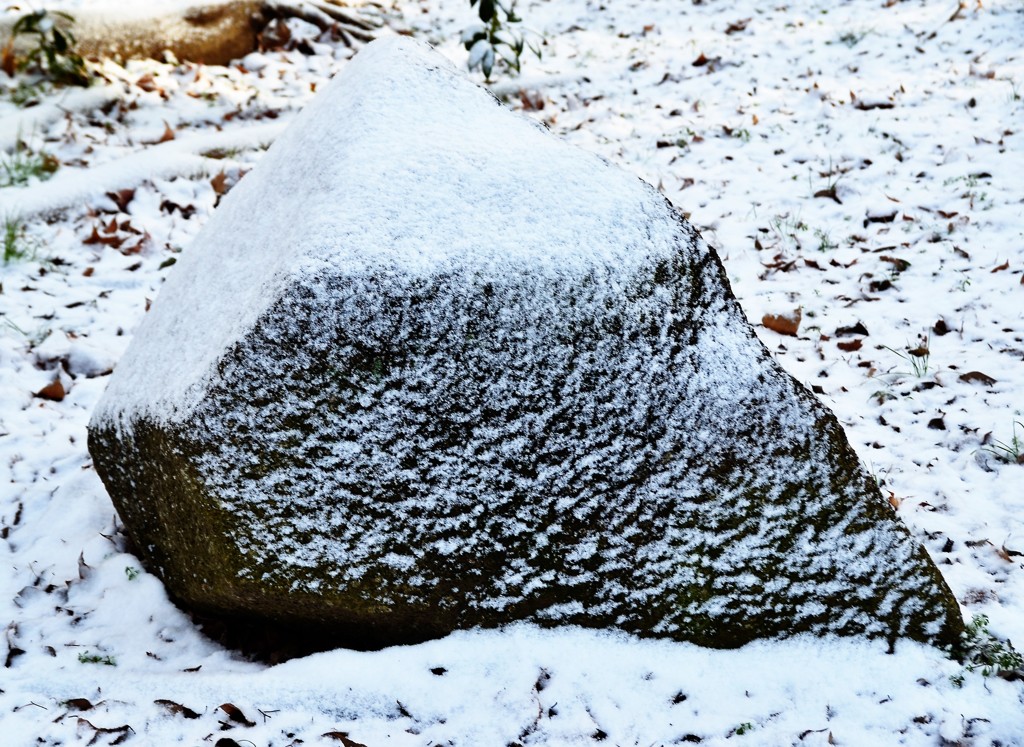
[[29, 24], [59, 42], [478, 53], [487, 64]]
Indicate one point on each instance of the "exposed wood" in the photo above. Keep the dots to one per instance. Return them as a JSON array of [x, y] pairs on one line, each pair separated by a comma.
[[214, 32]]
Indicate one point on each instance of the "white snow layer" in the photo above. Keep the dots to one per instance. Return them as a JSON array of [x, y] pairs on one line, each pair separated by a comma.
[[616, 78]]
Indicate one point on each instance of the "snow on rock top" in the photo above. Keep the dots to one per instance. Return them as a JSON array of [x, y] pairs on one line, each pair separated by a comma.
[[427, 367], [377, 175]]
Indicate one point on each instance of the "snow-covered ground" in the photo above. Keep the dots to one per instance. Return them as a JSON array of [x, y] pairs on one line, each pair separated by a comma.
[[861, 161]]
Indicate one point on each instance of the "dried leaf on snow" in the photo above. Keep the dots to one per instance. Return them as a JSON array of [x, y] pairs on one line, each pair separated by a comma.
[[79, 704], [54, 391], [855, 329], [235, 714], [977, 377], [784, 324], [342, 736], [176, 709]]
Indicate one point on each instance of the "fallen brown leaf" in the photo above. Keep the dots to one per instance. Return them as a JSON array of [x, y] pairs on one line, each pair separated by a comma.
[[830, 193], [177, 709], [737, 26], [342, 737], [220, 183], [147, 83], [134, 248], [108, 238], [532, 101], [121, 198], [784, 324], [235, 714], [866, 106], [899, 265], [7, 61], [121, 731], [881, 217], [168, 134], [855, 329], [978, 377], [78, 704], [53, 391]]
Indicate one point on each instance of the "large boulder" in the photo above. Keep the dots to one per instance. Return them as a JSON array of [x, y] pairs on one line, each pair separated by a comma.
[[428, 368]]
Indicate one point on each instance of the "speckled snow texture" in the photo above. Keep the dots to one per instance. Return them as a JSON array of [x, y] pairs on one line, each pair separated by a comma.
[[428, 367]]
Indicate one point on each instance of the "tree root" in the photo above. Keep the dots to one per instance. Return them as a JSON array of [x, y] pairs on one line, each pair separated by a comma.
[[212, 32], [326, 16]]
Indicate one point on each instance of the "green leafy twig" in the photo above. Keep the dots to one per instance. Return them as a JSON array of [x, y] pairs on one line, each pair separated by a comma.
[[498, 39], [87, 657], [986, 654], [53, 53]]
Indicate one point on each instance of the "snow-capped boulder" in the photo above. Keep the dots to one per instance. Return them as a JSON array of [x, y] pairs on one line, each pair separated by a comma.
[[428, 368]]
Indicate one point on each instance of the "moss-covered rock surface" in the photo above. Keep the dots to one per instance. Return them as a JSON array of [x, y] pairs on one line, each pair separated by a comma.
[[434, 369]]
